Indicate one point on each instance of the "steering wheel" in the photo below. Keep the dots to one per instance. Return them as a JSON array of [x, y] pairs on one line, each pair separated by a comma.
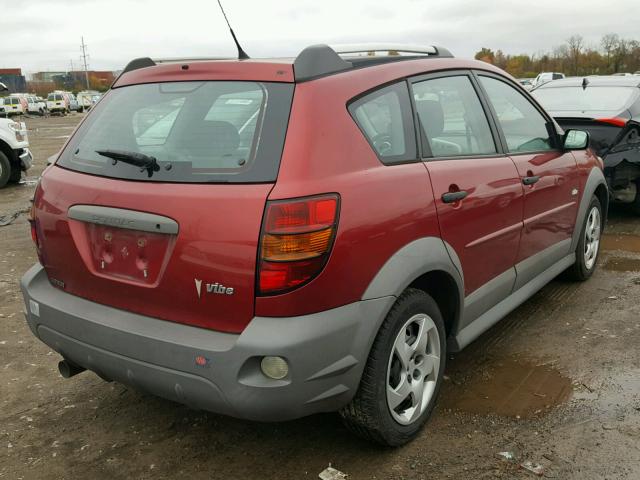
[[382, 143]]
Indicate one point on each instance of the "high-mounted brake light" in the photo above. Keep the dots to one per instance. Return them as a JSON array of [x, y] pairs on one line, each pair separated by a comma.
[[616, 121], [295, 242]]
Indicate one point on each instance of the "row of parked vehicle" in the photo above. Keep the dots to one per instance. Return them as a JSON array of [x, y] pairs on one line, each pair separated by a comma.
[[58, 101]]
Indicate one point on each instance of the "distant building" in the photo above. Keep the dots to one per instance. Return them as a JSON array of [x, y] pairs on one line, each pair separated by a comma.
[[76, 80], [46, 76], [13, 79]]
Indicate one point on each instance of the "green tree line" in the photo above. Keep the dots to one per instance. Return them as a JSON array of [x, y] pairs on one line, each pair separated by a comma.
[[614, 54]]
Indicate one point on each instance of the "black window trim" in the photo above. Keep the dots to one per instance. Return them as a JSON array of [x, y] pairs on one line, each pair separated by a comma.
[[271, 154], [408, 115], [551, 124], [425, 151]]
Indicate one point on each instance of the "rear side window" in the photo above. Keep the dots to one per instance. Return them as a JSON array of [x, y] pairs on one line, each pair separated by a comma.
[[385, 119], [523, 126], [452, 119], [210, 131]]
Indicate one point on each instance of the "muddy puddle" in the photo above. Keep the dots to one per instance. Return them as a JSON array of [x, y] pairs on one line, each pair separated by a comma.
[[622, 264], [509, 387], [627, 243]]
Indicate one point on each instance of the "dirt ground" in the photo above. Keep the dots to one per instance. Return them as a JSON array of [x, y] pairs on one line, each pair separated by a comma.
[[556, 383]]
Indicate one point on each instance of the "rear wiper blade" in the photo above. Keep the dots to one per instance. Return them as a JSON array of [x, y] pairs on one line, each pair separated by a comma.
[[145, 162]]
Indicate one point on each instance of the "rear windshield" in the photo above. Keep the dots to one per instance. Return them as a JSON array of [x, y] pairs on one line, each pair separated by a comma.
[[213, 131], [581, 99], [52, 97]]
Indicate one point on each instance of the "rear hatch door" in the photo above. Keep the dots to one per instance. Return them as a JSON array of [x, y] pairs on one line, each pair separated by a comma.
[[155, 205]]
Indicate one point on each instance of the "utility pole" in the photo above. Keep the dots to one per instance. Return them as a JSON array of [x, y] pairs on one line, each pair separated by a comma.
[[71, 78], [84, 61]]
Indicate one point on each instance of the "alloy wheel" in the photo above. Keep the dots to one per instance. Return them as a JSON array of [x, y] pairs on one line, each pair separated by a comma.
[[592, 238], [413, 369]]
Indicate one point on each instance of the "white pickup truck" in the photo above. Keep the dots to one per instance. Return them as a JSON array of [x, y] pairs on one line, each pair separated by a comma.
[[15, 156]]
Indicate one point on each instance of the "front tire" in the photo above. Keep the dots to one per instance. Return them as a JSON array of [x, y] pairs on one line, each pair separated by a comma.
[[588, 248], [403, 374], [16, 175], [5, 170]]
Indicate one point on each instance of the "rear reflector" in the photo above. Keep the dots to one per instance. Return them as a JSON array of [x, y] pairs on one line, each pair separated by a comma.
[[296, 239], [617, 122]]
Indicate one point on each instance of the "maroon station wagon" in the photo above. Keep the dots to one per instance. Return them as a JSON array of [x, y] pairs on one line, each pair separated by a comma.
[[269, 239]]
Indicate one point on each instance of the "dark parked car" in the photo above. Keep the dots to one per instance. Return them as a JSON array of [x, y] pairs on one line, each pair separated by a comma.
[[270, 239], [609, 109]]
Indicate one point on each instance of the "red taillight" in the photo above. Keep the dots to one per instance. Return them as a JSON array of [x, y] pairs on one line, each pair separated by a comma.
[[295, 242], [33, 223], [616, 121]]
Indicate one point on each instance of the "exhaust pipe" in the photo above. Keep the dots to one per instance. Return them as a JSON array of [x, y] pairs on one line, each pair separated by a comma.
[[68, 369]]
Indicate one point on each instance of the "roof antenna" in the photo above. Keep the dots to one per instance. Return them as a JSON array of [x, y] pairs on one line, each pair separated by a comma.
[[242, 55]]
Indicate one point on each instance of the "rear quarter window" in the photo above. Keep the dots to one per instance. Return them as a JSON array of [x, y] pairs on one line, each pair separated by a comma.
[[386, 120]]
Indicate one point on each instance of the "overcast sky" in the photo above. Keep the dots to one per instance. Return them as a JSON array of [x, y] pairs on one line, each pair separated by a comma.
[[45, 34]]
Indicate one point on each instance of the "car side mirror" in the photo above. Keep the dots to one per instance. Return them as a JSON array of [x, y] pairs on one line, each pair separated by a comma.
[[576, 140]]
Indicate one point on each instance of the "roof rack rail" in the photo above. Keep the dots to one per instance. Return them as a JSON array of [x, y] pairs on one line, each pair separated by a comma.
[[320, 60], [369, 48]]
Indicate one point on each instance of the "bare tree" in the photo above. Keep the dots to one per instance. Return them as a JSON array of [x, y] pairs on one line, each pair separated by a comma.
[[575, 44], [620, 54], [609, 43]]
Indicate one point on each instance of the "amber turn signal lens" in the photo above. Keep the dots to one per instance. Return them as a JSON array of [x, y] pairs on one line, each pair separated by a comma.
[[302, 246]]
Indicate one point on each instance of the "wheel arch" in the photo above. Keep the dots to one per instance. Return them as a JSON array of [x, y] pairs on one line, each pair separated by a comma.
[[595, 185], [428, 264]]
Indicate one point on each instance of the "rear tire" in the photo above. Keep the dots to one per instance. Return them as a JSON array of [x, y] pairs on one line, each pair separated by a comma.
[[588, 249], [636, 203], [407, 361], [5, 170]]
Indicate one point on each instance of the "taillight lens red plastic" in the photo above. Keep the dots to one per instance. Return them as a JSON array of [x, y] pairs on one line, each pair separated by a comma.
[[33, 223], [295, 242], [617, 122]]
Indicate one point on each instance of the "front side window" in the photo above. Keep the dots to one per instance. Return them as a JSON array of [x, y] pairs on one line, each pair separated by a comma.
[[451, 117], [524, 127], [385, 119]]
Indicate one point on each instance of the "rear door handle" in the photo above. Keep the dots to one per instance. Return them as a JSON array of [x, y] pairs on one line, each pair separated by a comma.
[[452, 197], [530, 180]]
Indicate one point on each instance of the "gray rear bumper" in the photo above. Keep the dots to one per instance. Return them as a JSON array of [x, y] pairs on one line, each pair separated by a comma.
[[326, 353]]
